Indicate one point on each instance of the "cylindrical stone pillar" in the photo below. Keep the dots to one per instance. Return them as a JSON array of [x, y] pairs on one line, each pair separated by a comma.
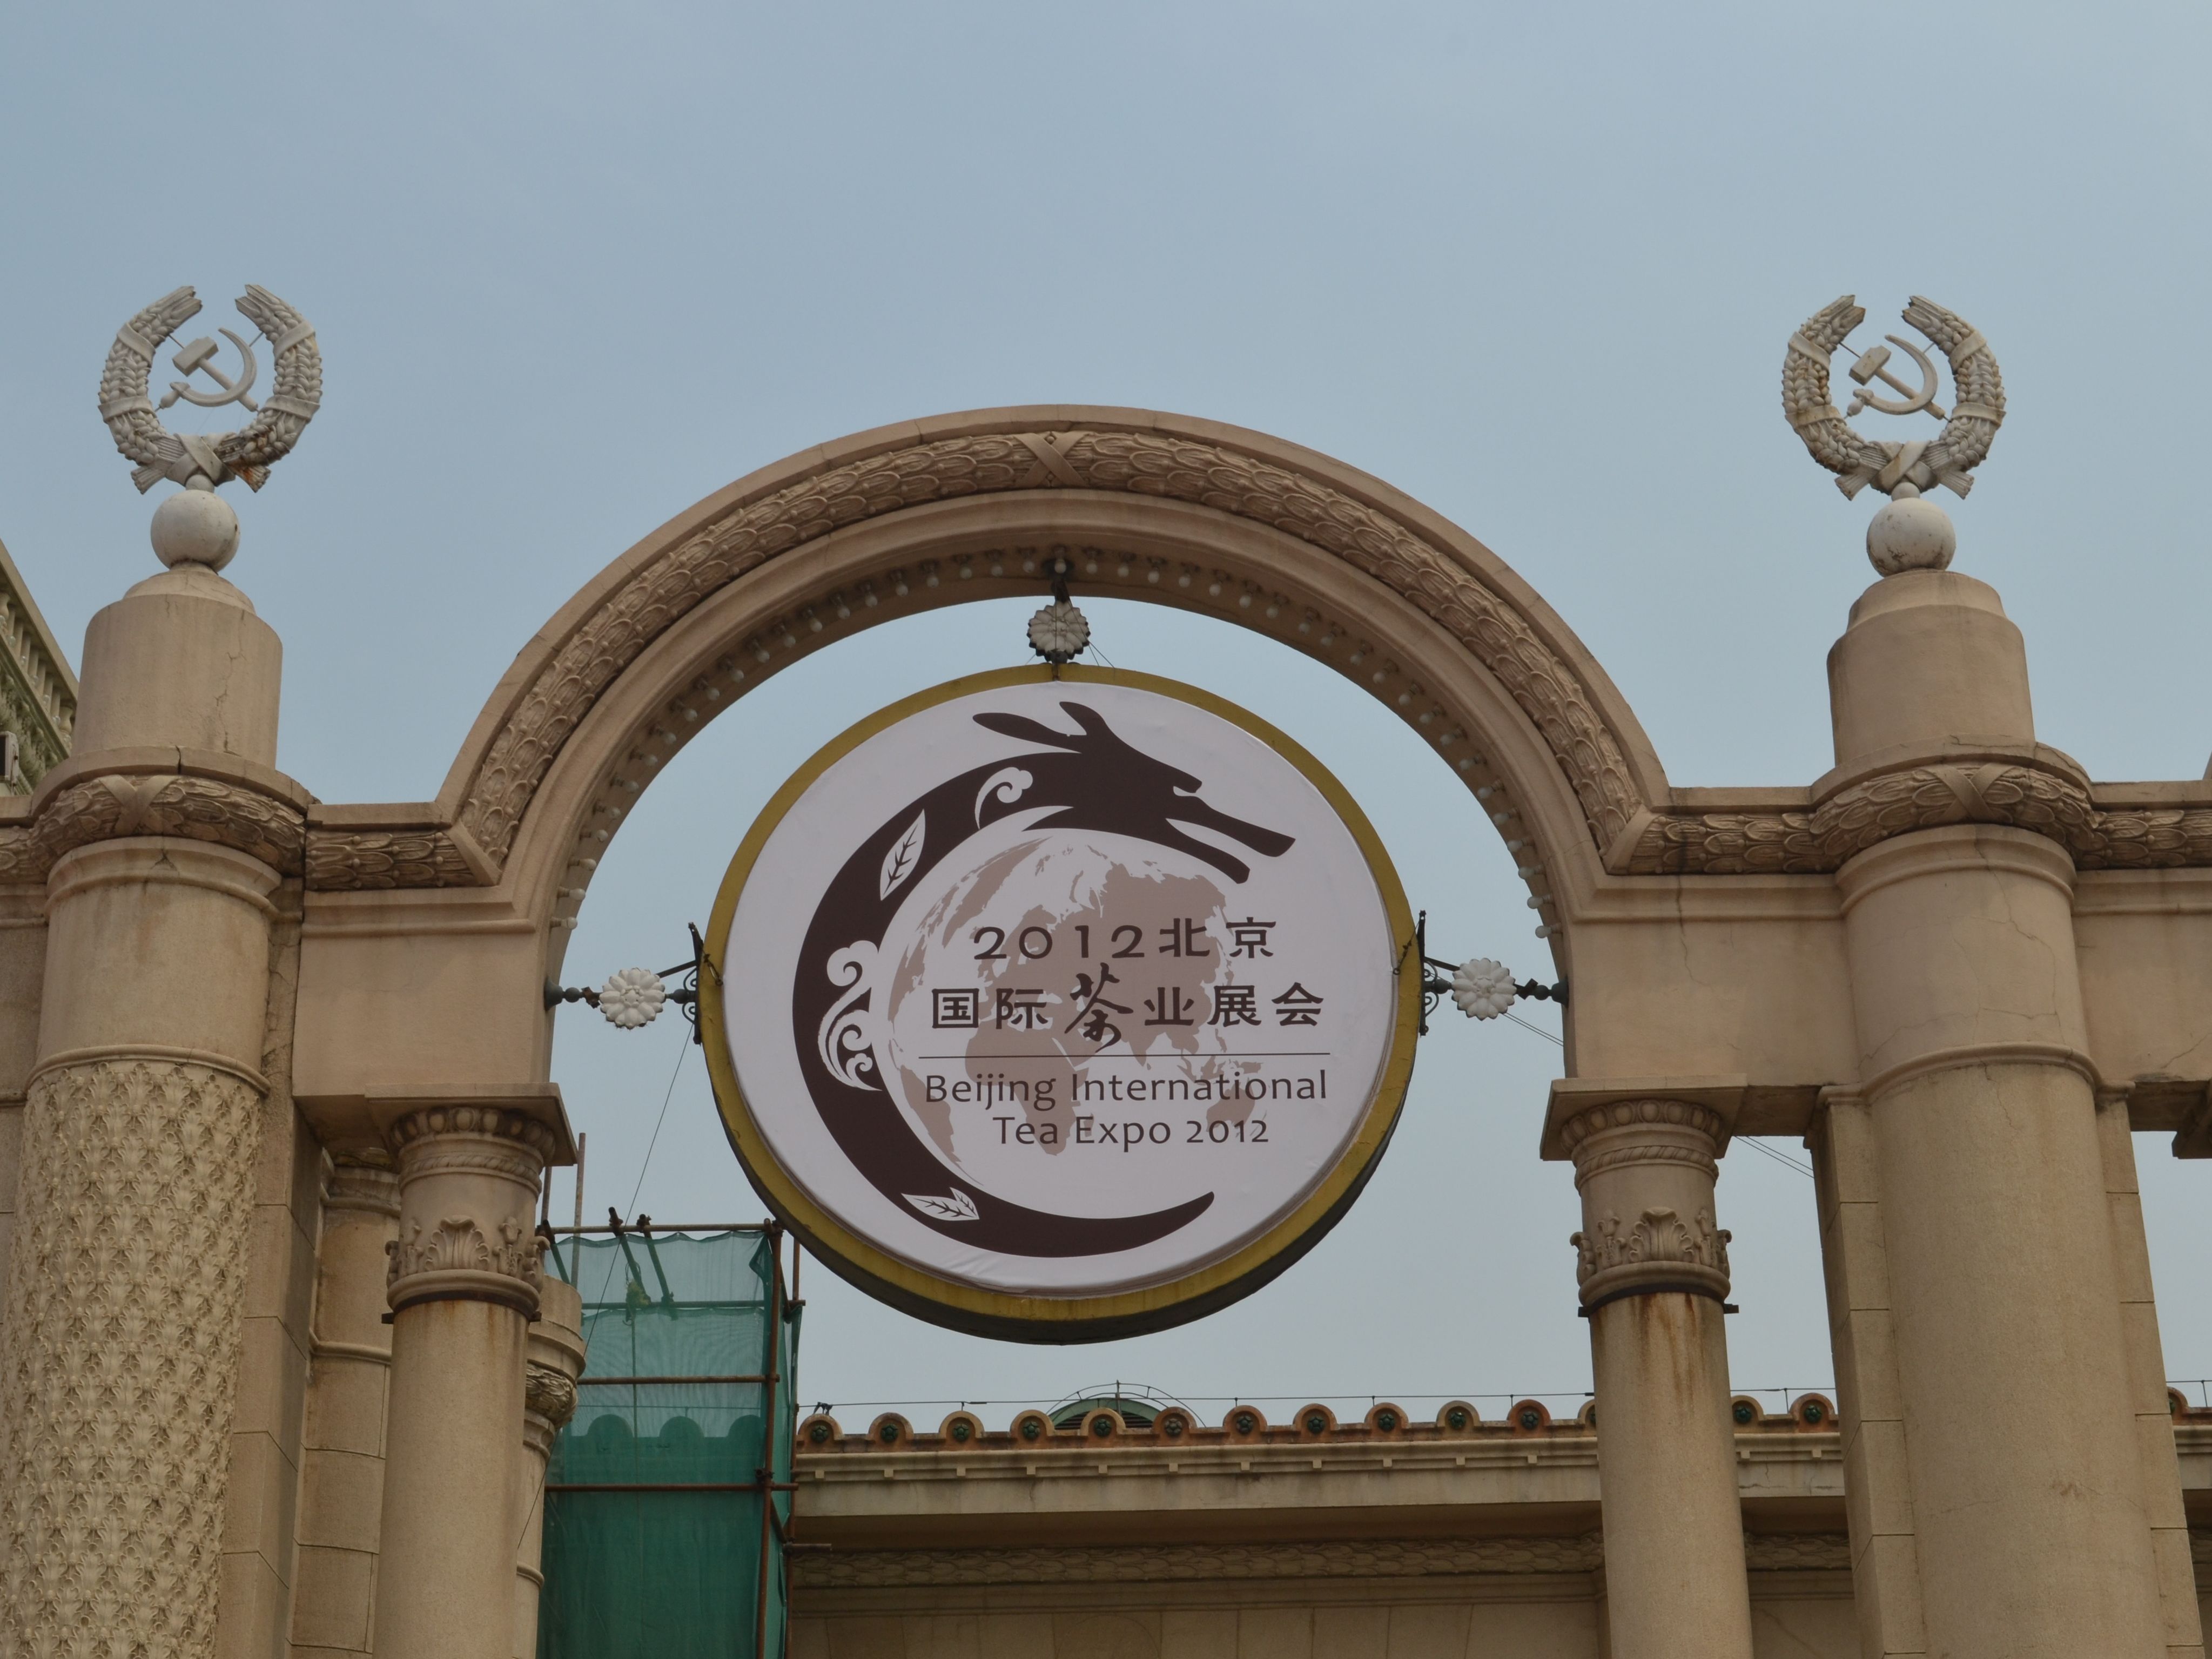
[[556, 1361], [2026, 1496], [1654, 1274], [342, 1457], [463, 1287], [2034, 1540], [120, 1350]]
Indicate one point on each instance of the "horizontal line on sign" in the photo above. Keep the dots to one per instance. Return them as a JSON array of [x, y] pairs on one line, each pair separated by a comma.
[[1248, 1054]]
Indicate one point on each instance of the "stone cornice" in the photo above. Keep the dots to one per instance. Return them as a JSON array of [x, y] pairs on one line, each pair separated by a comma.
[[2030, 790], [2120, 826], [367, 848], [185, 793], [41, 688], [1141, 1564], [1354, 1559]]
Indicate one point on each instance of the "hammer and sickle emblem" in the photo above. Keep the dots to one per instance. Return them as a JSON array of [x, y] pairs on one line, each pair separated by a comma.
[[1873, 365], [198, 357]]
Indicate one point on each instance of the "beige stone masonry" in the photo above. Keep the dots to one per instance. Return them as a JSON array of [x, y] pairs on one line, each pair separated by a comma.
[[1877, 1479], [342, 1476], [1966, 968], [140, 1278], [556, 1361], [1653, 1270], [464, 1284], [2153, 1405]]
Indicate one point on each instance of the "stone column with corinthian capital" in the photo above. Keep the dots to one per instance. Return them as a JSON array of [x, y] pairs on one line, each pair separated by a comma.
[[463, 1285], [1654, 1271], [556, 1361]]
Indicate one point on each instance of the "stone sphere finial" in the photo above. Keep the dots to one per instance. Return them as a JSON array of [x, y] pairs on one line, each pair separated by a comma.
[[1910, 533], [195, 526]]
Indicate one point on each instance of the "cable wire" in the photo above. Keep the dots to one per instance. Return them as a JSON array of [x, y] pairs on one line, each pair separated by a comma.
[[681, 1055], [1783, 1158]]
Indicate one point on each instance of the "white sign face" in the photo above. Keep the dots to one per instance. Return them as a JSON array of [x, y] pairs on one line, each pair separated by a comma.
[[1060, 988]]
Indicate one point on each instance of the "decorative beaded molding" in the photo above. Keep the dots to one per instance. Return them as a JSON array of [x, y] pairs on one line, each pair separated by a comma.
[[1379, 1558], [1661, 1115], [120, 1356], [1597, 1163], [1178, 468], [1797, 1552], [1382, 1558], [531, 1145]]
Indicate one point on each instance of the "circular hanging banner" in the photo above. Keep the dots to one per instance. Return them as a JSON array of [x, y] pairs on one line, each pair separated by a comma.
[[1060, 1007]]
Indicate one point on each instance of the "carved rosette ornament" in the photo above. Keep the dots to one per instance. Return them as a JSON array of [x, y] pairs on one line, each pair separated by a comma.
[[1645, 1169], [468, 1178]]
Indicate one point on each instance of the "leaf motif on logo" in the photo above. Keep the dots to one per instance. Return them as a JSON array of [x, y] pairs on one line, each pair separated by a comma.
[[906, 853], [958, 1207]]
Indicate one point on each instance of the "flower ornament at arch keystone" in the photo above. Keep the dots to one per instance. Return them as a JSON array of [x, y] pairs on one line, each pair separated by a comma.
[[632, 997], [192, 460], [1902, 470], [1483, 988], [1059, 633]]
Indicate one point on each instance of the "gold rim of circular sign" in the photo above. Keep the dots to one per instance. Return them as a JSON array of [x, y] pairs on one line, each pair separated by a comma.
[[1045, 1317]]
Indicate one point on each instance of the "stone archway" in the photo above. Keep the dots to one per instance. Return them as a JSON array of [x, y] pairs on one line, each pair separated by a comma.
[[1222, 522], [1958, 966]]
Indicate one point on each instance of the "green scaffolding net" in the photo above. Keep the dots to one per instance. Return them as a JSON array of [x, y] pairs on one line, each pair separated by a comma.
[[668, 1495]]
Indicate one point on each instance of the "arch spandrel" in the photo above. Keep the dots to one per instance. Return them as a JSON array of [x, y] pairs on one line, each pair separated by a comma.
[[1209, 518]]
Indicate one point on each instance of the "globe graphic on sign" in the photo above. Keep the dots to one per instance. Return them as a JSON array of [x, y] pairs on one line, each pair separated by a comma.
[[1037, 978]]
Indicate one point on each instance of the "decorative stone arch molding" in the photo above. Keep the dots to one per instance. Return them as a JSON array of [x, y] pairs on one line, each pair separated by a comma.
[[1208, 518]]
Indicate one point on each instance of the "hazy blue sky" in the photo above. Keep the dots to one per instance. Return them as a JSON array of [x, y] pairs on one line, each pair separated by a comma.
[[573, 269]]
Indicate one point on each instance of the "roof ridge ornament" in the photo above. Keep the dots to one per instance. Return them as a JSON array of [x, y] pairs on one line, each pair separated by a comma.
[[1909, 533], [204, 530]]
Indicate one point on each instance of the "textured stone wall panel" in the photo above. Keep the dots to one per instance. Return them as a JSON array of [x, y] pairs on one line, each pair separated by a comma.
[[119, 1359]]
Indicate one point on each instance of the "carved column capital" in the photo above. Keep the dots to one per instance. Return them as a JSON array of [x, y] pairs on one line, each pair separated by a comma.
[[433, 1139], [1627, 1125], [457, 1260], [1645, 1169], [468, 1181], [355, 1183], [548, 1398]]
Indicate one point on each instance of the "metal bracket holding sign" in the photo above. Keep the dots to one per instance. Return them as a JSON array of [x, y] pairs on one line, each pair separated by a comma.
[[1482, 988]]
